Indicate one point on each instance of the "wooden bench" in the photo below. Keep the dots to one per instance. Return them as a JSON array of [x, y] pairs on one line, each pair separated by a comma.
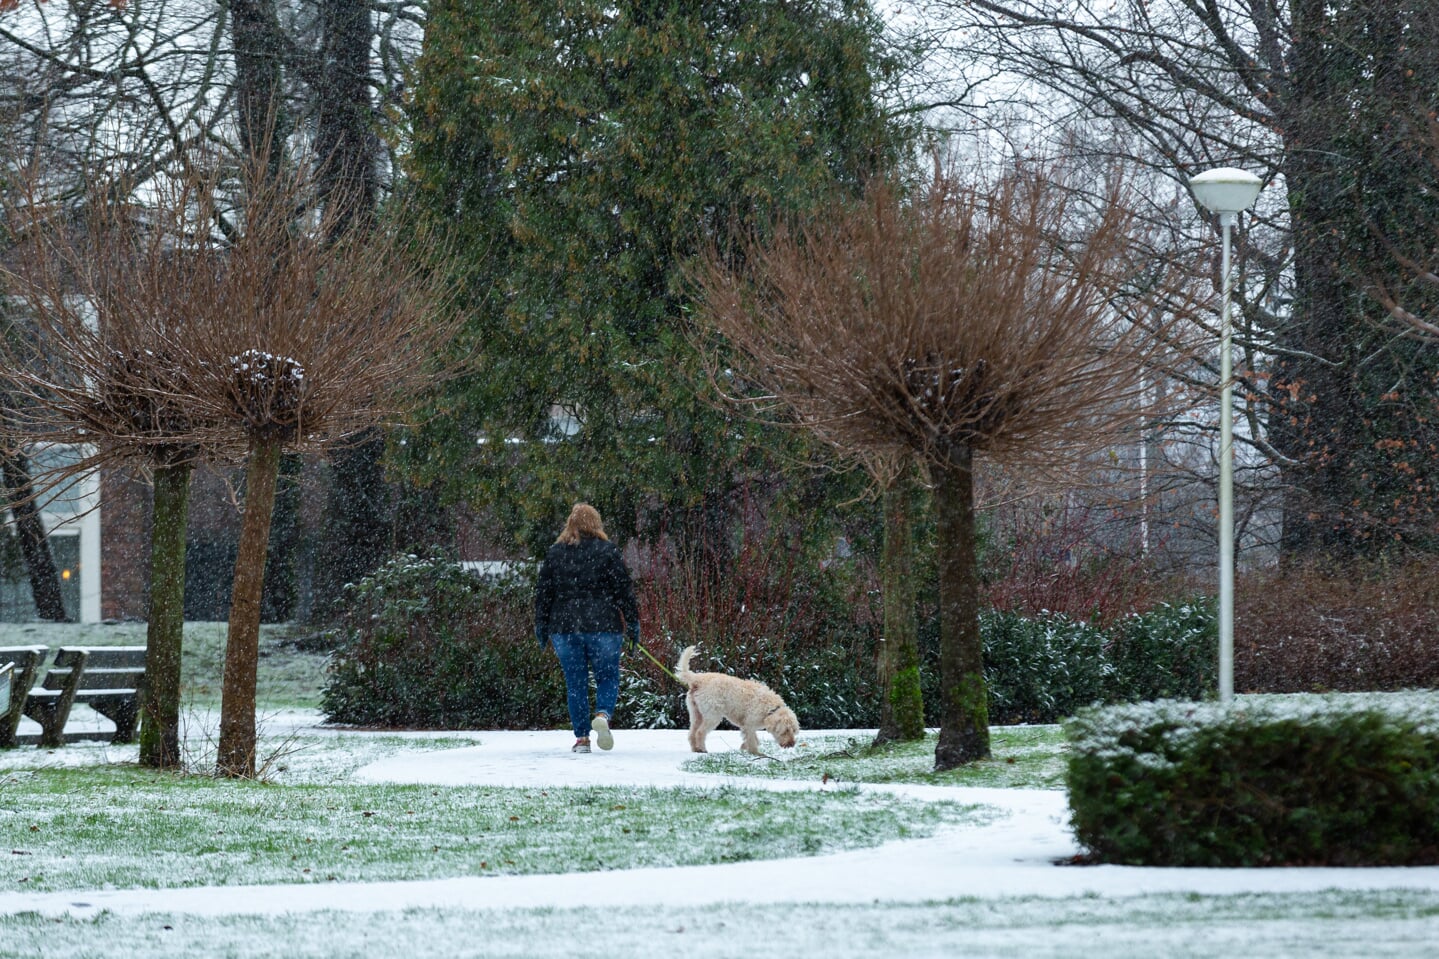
[[7, 674], [27, 661], [105, 678]]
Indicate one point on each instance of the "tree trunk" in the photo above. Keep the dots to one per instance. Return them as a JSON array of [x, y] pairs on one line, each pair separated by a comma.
[[236, 753], [164, 636], [1345, 388], [255, 27], [281, 596], [1317, 426], [964, 705], [345, 129], [34, 545], [902, 704], [356, 527], [359, 505]]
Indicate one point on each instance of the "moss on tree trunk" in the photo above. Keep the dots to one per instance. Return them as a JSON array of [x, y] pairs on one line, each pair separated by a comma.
[[236, 752], [902, 704], [964, 707], [160, 709]]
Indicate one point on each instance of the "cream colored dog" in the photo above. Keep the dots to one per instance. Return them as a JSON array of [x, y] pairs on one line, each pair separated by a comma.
[[749, 705]]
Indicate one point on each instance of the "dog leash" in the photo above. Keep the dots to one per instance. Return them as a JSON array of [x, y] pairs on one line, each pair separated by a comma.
[[661, 665]]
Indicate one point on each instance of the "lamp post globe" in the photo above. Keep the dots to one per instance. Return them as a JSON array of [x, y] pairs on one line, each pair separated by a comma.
[[1226, 191]]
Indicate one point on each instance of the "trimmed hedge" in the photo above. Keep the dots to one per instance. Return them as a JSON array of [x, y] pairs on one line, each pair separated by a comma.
[[1337, 780], [422, 643], [1044, 668]]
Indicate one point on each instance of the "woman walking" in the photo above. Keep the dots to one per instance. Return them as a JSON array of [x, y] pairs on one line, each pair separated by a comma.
[[584, 603]]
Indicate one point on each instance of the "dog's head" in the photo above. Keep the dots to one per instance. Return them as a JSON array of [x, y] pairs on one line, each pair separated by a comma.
[[783, 725]]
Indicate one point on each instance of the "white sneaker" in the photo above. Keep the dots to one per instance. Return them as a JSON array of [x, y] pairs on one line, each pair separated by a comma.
[[603, 738]]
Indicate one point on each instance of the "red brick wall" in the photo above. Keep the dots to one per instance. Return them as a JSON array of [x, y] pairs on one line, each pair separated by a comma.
[[124, 545]]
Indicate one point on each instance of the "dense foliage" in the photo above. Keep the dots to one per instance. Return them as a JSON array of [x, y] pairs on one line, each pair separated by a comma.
[[1357, 405], [424, 643], [1260, 781], [1362, 627], [581, 152]]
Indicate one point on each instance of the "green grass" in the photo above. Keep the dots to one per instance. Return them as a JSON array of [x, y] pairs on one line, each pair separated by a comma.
[[1308, 926], [288, 678], [75, 827], [1022, 757], [99, 823]]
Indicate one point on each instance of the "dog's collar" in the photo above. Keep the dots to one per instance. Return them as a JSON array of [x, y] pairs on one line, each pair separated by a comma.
[[773, 711]]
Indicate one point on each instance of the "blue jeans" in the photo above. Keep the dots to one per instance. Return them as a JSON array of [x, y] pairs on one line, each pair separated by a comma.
[[579, 654]]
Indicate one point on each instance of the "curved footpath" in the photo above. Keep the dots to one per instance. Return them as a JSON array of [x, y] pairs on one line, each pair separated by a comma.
[[1014, 855]]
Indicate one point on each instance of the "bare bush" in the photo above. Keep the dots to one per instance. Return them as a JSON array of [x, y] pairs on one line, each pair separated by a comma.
[[1312, 629]]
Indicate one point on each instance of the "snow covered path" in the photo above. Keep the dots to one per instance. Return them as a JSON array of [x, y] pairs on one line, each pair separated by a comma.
[[1014, 855]]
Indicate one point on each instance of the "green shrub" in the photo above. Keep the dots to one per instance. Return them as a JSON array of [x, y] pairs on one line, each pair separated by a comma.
[[422, 643], [1342, 780], [1168, 652], [1041, 669]]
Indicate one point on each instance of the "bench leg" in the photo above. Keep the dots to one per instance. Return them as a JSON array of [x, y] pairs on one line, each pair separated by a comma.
[[52, 723], [9, 724], [125, 715], [10, 721]]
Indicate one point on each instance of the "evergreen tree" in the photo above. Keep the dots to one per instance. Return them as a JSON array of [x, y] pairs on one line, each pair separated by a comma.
[[581, 152], [1357, 408]]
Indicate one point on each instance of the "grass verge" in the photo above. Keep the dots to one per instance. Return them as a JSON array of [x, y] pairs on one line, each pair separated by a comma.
[[76, 827], [1312, 926], [1023, 757]]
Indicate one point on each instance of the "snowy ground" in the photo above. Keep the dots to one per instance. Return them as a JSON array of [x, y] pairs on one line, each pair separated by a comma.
[[1009, 862]]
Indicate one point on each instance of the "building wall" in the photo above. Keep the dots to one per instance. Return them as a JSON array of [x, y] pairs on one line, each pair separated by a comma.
[[124, 545]]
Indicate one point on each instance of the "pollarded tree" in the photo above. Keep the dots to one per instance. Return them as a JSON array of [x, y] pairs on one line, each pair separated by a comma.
[[982, 319], [305, 335], [108, 291], [282, 333]]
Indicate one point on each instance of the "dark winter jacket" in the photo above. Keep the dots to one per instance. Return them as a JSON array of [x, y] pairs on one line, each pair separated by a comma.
[[585, 588]]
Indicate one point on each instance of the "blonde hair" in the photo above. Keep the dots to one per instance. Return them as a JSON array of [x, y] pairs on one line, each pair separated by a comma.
[[584, 521]]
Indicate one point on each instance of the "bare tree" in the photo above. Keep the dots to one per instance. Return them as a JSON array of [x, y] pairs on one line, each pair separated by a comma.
[[1307, 94], [17, 493], [980, 320], [110, 293], [135, 89], [309, 338], [1409, 290], [273, 338]]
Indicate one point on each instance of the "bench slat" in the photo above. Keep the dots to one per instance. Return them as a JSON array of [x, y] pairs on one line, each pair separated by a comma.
[[56, 678], [110, 678], [128, 657]]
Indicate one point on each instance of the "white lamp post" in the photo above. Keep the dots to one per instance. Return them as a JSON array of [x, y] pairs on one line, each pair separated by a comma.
[[1226, 191]]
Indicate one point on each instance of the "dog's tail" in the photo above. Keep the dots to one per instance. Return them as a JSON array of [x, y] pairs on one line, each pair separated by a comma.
[[682, 668]]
